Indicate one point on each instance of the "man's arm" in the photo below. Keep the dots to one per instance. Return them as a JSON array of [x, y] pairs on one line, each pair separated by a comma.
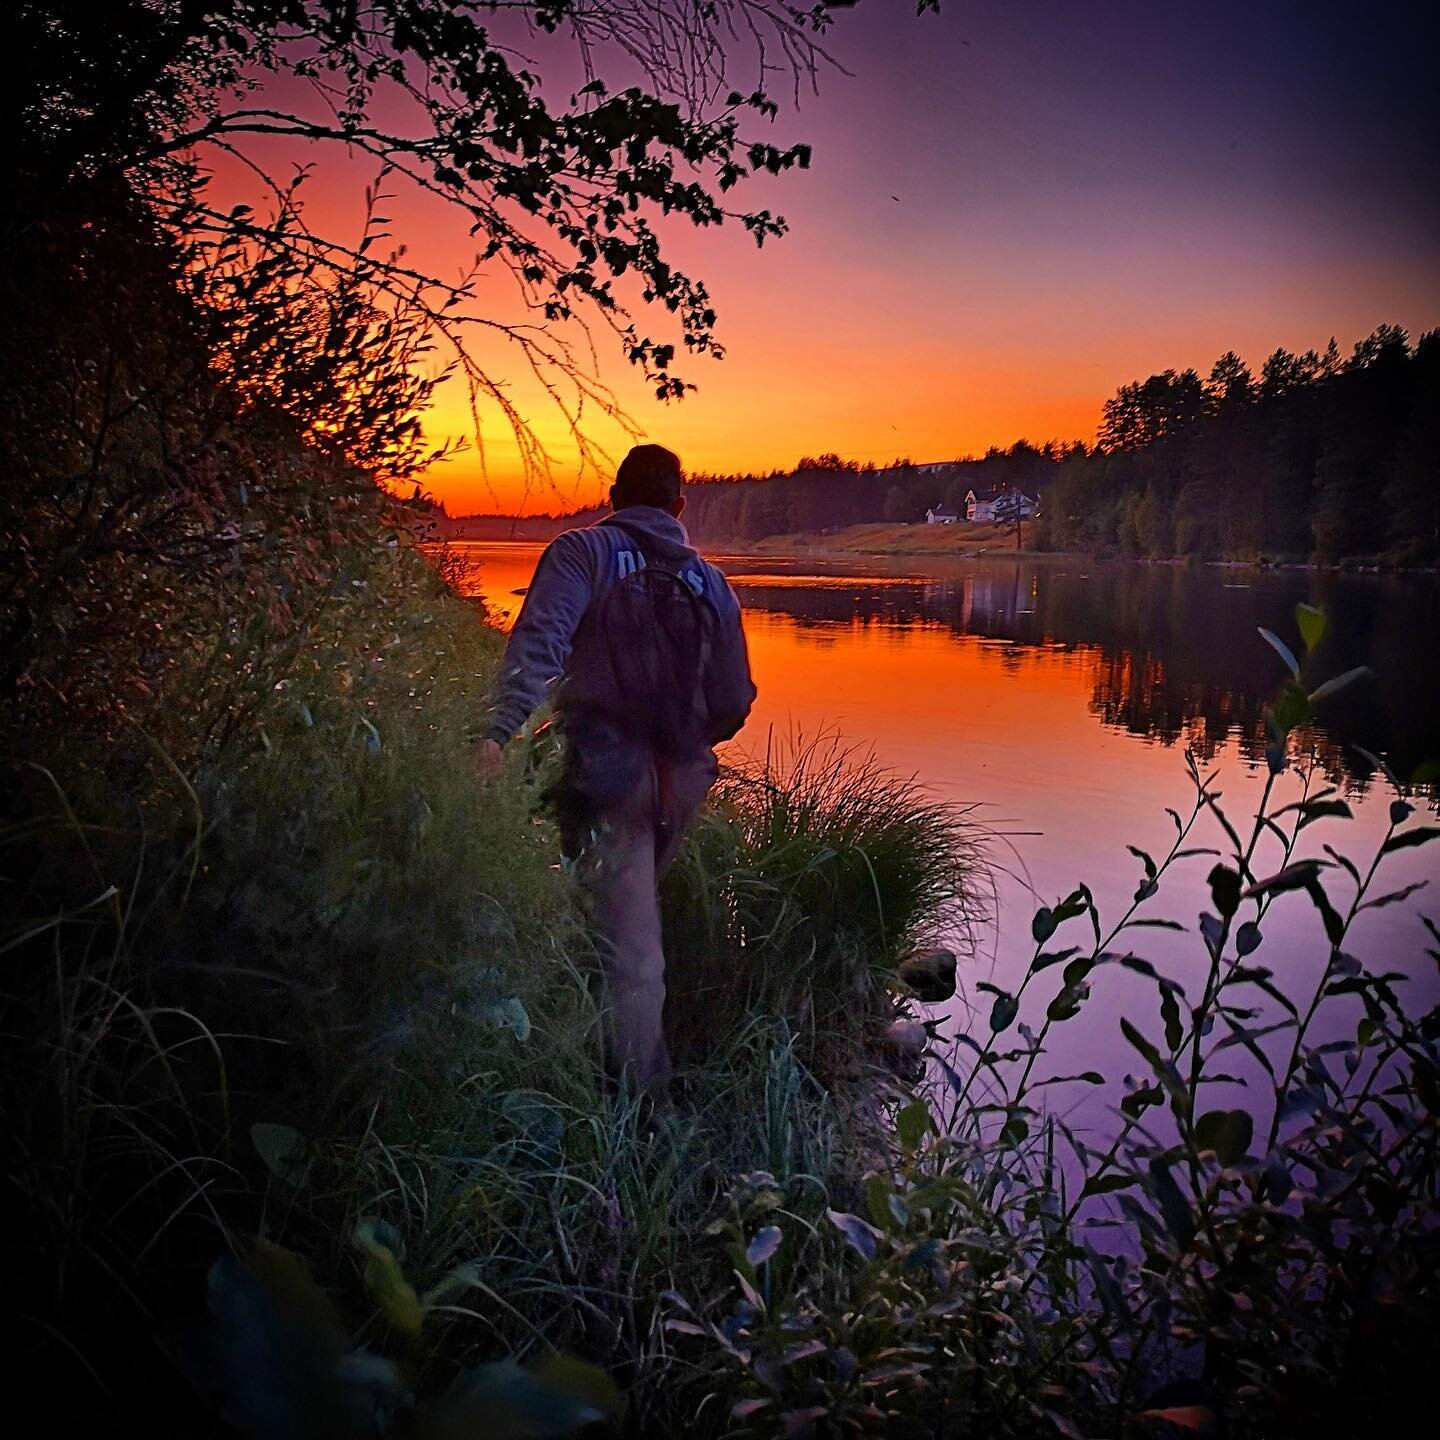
[[731, 688], [540, 643]]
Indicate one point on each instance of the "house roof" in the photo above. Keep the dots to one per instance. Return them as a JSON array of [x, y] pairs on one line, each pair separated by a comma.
[[944, 510], [984, 493]]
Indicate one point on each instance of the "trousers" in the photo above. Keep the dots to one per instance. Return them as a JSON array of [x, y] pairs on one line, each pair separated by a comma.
[[622, 845]]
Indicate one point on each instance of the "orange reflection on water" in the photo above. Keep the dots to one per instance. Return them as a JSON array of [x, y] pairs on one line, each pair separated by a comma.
[[1052, 743]]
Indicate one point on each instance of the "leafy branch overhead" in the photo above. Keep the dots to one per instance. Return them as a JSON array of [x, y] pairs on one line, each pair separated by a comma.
[[675, 111]]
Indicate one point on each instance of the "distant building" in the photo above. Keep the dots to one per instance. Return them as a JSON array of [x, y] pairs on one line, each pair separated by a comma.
[[988, 505], [941, 515]]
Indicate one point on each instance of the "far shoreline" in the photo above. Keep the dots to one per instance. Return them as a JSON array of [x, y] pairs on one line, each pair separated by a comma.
[[971, 542]]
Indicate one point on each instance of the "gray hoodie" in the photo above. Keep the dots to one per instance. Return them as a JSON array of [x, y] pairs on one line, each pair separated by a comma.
[[575, 570]]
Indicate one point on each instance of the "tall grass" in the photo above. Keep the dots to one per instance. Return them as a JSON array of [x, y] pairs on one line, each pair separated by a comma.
[[811, 875], [335, 985]]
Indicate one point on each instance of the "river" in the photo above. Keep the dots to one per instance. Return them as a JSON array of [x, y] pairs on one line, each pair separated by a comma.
[[1058, 696]]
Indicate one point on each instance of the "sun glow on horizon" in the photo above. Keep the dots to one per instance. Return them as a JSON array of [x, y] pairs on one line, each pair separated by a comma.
[[1011, 212]]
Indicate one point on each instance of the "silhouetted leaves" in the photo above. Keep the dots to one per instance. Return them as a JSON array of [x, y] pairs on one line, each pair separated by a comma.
[[1226, 1132]]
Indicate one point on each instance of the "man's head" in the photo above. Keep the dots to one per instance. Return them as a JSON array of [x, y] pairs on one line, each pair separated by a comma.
[[649, 475]]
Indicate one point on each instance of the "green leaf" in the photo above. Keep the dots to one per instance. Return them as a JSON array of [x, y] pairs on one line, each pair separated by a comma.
[[913, 1124], [878, 1191], [1338, 683], [1225, 889], [385, 1281], [272, 1343], [1104, 1184], [502, 1401], [1170, 1015], [1003, 1011], [1067, 1003], [1227, 1132], [1376, 763], [1174, 1208], [282, 1148], [509, 1014], [1395, 896], [1042, 927], [1145, 860], [1047, 958], [1139, 1100], [1141, 1044], [1291, 707], [1334, 925], [1292, 877], [1076, 903], [579, 1380], [858, 1235], [1311, 620], [1313, 810]]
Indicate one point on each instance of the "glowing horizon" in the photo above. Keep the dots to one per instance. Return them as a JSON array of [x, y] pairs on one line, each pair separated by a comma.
[[1011, 212]]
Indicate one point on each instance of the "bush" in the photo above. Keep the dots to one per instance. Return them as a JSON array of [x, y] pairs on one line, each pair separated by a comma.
[[805, 882], [1264, 1270], [336, 982]]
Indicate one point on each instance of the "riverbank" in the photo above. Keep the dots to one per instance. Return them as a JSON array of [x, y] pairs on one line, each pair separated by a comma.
[[316, 1080], [963, 541], [960, 541], [339, 1047]]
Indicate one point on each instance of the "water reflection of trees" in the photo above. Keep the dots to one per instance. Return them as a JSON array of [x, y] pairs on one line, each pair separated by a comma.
[[1173, 653]]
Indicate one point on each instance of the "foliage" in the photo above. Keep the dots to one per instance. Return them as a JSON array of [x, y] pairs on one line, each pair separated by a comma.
[[563, 195], [1259, 1267], [334, 992], [190, 458], [328, 989], [1318, 458], [831, 868]]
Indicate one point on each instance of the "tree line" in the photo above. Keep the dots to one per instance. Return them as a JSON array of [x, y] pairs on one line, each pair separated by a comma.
[[1318, 457]]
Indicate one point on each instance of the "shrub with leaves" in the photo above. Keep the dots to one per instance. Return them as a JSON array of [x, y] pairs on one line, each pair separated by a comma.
[[1264, 1267]]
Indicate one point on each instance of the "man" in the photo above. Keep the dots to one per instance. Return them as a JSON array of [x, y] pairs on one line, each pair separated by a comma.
[[642, 640]]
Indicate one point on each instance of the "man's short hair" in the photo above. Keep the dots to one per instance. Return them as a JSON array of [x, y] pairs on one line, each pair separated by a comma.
[[648, 475]]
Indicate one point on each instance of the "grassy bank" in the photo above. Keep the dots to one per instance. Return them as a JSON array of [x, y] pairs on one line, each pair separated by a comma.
[[957, 541], [309, 1136], [997, 542], [331, 995]]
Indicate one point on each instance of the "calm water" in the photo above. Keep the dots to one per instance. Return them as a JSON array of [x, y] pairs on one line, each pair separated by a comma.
[[1059, 697]]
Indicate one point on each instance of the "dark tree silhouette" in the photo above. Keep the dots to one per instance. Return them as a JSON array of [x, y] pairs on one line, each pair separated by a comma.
[[562, 193]]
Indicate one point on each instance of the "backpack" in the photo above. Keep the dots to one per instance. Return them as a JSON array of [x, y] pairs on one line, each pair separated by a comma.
[[640, 665]]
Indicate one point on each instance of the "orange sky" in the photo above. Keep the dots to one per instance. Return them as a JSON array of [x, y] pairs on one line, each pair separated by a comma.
[[1013, 209]]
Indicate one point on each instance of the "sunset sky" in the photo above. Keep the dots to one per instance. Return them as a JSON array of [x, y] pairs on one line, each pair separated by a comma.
[[1013, 208]]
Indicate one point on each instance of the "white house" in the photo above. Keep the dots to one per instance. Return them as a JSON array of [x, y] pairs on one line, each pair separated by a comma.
[[988, 505], [941, 515]]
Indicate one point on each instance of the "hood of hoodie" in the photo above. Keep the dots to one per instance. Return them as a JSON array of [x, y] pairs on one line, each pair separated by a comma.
[[656, 529]]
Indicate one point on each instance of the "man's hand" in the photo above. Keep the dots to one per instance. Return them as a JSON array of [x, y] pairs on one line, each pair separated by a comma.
[[487, 758]]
